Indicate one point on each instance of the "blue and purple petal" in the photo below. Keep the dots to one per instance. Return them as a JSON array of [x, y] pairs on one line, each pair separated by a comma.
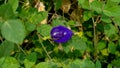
[[61, 34]]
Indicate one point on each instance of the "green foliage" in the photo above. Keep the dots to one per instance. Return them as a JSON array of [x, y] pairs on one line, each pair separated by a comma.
[[13, 30], [76, 43], [46, 65], [111, 47], [14, 4], [44, 30], [97, 6], [6, 48], [111, 10], [6, 11], [25, 41], [30, 60], [10, 62], [57, 4]]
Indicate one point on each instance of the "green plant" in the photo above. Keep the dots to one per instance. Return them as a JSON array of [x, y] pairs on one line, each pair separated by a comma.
[[25, 27]]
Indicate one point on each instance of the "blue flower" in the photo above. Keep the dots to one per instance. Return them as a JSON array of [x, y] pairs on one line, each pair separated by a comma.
[[61, 34]]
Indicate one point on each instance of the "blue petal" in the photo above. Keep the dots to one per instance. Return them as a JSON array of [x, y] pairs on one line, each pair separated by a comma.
[[61, 34]]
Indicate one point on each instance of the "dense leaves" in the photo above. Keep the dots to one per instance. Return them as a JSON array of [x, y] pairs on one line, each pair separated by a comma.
[[13, 30], [59, 33]]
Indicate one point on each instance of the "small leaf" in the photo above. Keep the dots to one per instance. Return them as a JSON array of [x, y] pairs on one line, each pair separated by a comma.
[[57, 4], [115, 1], [109, 30], [44, 30], [6, 48], [46, 65], [71, 23], [97, 6], [37, 17], [30, 60], [14, 4], [84, 4], [6, 11], [87, 15], [81, 1], [101, 45], [106, 19], [14, 31], [9, 62], [75, 42], [75, 64], [111, 47], [109, 66], [111, 10], [57, 22], [105, 52], [116, 63], [87, 64], [117, 20], [98, 64], [30, 26]]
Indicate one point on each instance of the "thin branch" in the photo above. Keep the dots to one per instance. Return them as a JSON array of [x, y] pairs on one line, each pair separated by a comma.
[[43, 47], [94, 29], [21, 49], [5, 1]]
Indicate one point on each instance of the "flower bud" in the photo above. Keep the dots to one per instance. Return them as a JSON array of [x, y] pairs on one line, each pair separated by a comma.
[[61, 34]]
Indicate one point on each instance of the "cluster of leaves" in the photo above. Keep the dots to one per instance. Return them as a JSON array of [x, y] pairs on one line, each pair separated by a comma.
[[26, 43]]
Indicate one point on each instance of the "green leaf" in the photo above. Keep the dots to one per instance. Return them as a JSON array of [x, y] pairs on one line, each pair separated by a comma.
[[57, 4], [119, 42], [30, 26], [30, 60], [97, 6], [98, 64], [37, 17], [87, 64], [57, 22], [101, 45], [111, 47], [116, 63], [109, 30], [44, 30], [81, 1], [109, 66], [75, 64], [6, 48], [105, 52], [9, 62], [75, 42], [71, 23], [115, 1], [46, 65], [1, 23], [100, 27], [117, 20], [106, 19], [6, 11], [87, 15], [111, 10], [14, 4], [14, 31], [84, 4]]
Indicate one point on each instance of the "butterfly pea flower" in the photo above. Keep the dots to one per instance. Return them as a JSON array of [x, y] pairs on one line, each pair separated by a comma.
[[61, 34]]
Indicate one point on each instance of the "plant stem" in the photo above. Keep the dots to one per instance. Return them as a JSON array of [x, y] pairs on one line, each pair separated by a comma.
[[94, 32], [21, 49], [43, 47], [5, 1]]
